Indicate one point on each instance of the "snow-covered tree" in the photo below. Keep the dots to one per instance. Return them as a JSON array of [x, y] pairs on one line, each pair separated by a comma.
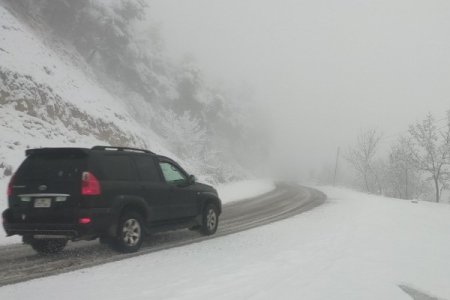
[[430, 151], [362, 158], [183, 133], [401, 177]]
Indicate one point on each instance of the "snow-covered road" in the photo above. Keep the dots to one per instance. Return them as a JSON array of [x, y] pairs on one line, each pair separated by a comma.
[[355, 246], [19, 262]]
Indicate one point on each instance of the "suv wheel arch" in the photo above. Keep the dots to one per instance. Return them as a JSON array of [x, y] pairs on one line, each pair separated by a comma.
[[128, 205]]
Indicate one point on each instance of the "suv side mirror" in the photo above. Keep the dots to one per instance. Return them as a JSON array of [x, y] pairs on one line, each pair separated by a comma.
[[192, 179]]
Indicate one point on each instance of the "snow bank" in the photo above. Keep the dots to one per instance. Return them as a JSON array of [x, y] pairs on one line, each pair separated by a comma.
[[3, 205], [355, 246], [245, 189]]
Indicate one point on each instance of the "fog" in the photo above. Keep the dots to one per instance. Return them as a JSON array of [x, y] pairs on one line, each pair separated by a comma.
[[321, 70]]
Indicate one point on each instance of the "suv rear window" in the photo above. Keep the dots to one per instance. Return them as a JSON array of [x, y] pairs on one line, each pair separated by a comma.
[[52, 167]]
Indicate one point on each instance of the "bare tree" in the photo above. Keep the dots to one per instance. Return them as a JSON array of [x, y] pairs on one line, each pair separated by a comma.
[[402, 179], [430, 150], [362, 158]]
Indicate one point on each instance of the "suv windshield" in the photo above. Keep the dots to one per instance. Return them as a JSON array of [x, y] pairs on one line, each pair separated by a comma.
[[171, 173]]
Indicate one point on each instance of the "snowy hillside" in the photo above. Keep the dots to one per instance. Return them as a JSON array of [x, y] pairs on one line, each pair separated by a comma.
[[48, 98], [54, 93], [355, 246]]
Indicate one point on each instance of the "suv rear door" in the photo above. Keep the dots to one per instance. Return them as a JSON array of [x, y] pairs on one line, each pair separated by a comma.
[[118, 176], [46, 187]]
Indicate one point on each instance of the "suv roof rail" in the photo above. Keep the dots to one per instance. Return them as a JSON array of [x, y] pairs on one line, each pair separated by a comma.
[[113, 148], [54, 150]]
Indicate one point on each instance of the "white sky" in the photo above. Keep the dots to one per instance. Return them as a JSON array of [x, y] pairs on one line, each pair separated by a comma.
[[323, 69]]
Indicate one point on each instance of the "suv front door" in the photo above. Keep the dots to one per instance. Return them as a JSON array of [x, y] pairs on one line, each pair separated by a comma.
[[154, 189], [182, 196]]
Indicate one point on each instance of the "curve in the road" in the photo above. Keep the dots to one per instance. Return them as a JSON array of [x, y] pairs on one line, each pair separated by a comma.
[[20, 263]]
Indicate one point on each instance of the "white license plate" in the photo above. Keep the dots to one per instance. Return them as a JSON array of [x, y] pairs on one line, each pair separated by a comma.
[[42, 202]]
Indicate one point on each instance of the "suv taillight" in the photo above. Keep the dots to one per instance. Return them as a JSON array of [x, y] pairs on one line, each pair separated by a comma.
[[90, 186], [9, 192]]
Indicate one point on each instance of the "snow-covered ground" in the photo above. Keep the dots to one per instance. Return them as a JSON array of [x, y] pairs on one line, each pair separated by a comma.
[[244, 189], [229, 192], [3, 205], [355, 246]]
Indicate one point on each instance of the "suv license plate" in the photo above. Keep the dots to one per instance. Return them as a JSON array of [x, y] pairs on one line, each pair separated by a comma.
[[43, 202]]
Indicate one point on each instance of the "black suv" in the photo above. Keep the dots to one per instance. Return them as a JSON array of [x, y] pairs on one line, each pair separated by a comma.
[[116, 194]]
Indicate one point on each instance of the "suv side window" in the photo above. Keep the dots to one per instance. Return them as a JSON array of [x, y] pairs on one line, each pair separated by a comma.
[[118, 168], [147, 168], [172, 174]]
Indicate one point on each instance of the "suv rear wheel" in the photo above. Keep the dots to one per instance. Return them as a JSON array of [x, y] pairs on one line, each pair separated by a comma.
[[48, 246], [130, 233], [210, 219]]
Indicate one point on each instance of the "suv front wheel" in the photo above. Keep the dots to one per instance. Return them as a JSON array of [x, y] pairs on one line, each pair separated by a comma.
[[130, 233], [210, 219]]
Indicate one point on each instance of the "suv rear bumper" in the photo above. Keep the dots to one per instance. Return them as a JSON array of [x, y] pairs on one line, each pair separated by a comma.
[[69, 231], [99, 225]]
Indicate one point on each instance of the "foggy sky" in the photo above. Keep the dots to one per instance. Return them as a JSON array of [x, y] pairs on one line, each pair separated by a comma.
[[324, 70]]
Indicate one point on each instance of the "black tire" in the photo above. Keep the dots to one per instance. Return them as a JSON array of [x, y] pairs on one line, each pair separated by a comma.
[[48, 246], [130, 233], [210, 219]]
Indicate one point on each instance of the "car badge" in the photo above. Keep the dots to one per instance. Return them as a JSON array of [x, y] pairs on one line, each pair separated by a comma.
[[24, 217], [42, 188]]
